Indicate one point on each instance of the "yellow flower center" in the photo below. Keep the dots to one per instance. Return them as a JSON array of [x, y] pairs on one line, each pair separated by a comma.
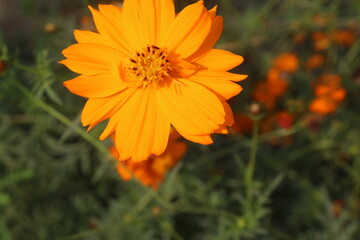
[[149, 66]]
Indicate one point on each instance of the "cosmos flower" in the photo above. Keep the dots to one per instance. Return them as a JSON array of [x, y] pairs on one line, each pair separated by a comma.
[[147, 69], [152, 171], [329, 93]]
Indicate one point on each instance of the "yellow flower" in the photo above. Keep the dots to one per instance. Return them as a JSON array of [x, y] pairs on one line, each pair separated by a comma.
[[147, 69]]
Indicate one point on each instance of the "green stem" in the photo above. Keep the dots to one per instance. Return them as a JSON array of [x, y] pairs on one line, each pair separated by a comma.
[[57, 115], [25, 68], [249, 172]]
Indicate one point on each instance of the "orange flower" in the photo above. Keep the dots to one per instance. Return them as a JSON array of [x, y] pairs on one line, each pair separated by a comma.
[[147, 69], [286, 62], [262, 94], [344, 37], [321, 41], [152, 171], [275, 85], [243, 124], [315, 61], [277, 81], [329, 94], [320, 20], [323, 106], [2, 66]]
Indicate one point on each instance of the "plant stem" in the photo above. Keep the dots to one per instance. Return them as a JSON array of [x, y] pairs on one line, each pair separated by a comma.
[[57, 115], [249, 172]]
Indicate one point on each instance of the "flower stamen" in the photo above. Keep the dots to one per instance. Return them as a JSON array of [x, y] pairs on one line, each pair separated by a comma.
[[150, 66]]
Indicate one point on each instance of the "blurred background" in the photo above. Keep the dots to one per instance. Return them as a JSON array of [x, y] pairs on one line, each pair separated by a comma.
[[289, 169]]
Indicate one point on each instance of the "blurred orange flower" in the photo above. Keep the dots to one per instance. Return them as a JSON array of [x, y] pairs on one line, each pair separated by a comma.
[[274, 86], [2, 66], [321, 41], [329, 94], [286, 62], [149, 68], [243, 124], [320, 20], [262, 95], [151, 172], [344, 37], [315, 61], [278, 81]]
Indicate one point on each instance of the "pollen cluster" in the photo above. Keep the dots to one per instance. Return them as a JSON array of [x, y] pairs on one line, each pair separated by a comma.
[[150, 66]]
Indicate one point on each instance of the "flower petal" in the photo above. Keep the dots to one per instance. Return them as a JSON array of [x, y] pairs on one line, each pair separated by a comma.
[[94, 86], [219, 60], [218, 74], [142, 129], [217, 25], [133, 29], [89, 59], [109, 23], [189, 30], [97, 110], [225, 88], [83, 67], [82, 36], [202, 139], [191, 108]]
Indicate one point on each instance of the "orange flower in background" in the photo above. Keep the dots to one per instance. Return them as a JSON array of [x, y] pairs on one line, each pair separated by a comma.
[[344, 37], [152, 171], [277, 82], [321, 20], [286, 62], [147, 69], [315, 61], [329, 94], [243, 124], [263, 95], [321, 41]]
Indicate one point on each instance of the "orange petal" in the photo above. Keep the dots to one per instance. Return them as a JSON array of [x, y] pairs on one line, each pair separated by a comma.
[[133, 29], [225, 88], [142, 129], [94, 86], [109, 24], [99, 109], [217, 25], [164, 17], [188, 31], [82, 36], [217, 74], [191, 108], [202, 139], [219, 59], [89, 59], [83, 67], [153, 21]]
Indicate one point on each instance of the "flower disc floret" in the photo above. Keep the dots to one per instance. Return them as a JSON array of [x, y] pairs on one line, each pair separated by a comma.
[[150, 66]]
